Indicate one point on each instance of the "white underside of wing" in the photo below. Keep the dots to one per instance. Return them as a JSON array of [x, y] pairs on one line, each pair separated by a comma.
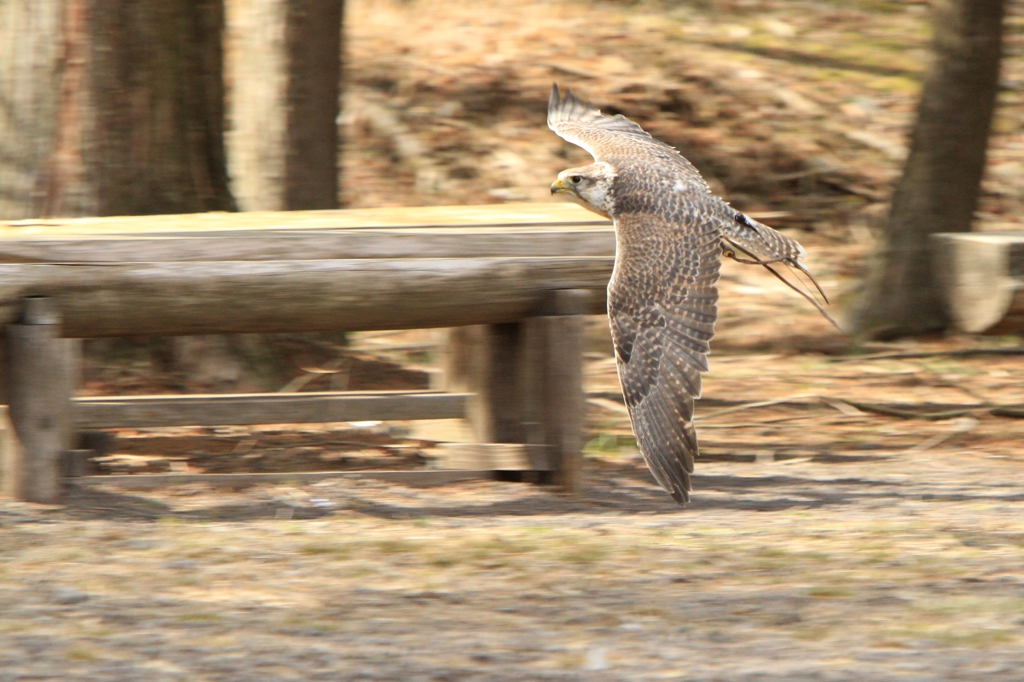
[[573, 140]]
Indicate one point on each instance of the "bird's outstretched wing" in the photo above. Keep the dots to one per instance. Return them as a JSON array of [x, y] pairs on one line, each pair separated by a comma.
[[662, 307], [614, 137]]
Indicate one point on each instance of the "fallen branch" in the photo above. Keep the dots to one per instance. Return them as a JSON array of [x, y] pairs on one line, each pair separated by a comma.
[[908, 355], [962, 425], [766, 403], [887, 410], [1009, 411]]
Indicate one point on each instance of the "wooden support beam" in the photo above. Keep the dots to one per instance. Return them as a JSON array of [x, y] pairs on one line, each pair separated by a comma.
[[10, 452], [265, 408], [527, 382], [524, 215], [563, 398], [981, 277], [265, 245], [153, 481], [174, 299], [483, 361], [41, 375]]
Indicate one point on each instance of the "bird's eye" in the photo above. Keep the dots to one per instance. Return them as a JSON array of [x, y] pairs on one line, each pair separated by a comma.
[[575, 179]]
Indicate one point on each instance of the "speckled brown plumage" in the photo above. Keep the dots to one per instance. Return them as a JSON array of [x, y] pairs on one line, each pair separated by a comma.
[[662, 300]]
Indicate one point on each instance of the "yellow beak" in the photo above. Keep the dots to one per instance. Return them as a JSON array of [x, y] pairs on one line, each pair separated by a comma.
[[559, 186]]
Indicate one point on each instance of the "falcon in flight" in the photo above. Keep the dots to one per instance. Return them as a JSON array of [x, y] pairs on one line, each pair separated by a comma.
[[670, 234]]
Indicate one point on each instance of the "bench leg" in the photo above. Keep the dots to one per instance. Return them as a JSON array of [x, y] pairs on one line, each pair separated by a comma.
[[527, 378], [563, 397], [486, 360], [41, 373]]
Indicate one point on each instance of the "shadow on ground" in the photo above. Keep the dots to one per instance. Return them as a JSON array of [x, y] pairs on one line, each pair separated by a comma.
[[611, 489]]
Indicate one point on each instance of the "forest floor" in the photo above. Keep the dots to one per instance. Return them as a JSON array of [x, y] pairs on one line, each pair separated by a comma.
[[857, 507]]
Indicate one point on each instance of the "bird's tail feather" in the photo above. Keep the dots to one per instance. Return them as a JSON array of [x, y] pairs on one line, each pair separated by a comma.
[[748, 241]]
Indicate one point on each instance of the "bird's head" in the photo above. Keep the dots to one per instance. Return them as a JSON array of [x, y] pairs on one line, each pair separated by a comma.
[[589, 186]]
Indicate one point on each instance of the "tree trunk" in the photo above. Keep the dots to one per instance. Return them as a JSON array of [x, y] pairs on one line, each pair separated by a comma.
[[938, 191], [141, 113], [313, 39], [285, 73], [30, 49]]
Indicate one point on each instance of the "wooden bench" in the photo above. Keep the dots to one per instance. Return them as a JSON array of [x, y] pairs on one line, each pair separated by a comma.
[[981, 277], [514, 278]]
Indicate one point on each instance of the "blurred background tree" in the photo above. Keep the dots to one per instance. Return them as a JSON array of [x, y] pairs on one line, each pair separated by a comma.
[[285, 72], [939, 188], [30, 48], [121, 108], [140, 112]]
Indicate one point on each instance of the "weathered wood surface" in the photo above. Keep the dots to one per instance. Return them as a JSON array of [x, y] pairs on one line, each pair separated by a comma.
[[152, 481], [266, 408], [981, 277], [10, 451], [526, 382], [505, 267], [315, 245], [296, 296], [530, 215], [42, 374], [303, 288], [563, 399], [487, 361]]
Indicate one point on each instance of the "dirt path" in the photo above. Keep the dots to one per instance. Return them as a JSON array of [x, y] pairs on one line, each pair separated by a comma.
[[824, 542], [899, 568]]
